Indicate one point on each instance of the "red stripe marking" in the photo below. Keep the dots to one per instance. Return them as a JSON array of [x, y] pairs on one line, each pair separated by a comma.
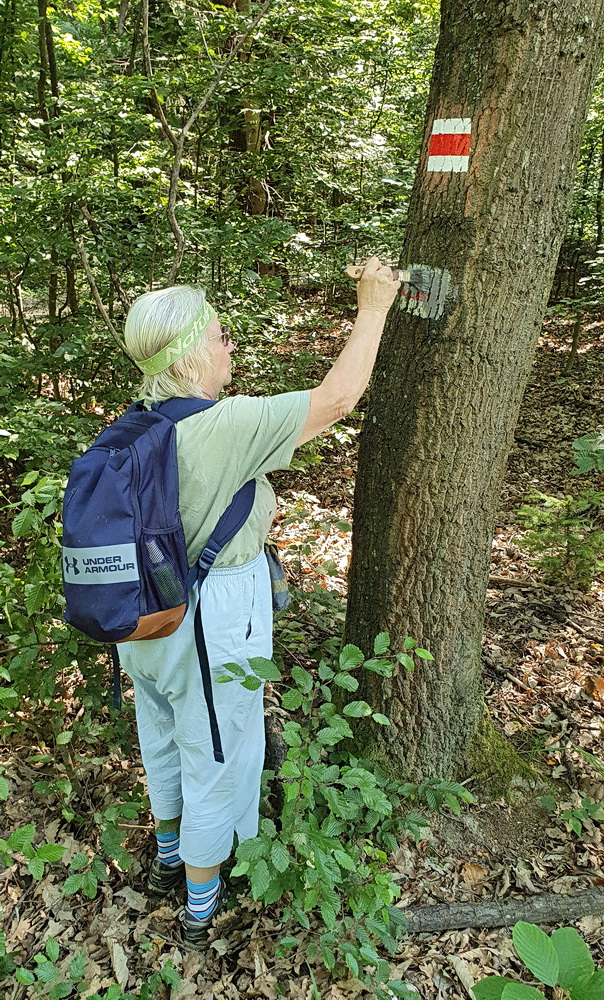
[[450, 144]]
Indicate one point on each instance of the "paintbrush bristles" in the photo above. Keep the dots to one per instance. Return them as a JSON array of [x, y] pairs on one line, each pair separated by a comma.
[[419, 278]]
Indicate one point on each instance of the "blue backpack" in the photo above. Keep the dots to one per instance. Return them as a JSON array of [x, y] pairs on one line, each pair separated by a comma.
[[125, 569]]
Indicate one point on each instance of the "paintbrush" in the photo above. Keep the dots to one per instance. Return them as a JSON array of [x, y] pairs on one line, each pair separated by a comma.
[[419, 277]]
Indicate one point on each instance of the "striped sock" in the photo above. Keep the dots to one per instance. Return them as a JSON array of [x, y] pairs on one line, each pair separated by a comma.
[[202, 897], [168, 846]]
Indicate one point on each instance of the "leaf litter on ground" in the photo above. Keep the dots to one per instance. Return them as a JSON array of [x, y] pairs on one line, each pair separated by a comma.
[[543, 656]]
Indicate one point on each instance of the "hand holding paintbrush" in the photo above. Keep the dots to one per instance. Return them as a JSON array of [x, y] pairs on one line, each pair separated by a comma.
[[417, 277], [377, 285]]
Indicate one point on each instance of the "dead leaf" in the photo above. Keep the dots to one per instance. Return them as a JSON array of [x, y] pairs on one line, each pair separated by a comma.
[[192, 965], [473, 873], [21, 930], [220, 945], [464, 974], [52, 829], [51, 894], [185, 988], [588, 925], [135, 900], [595, 687], [119, 961]]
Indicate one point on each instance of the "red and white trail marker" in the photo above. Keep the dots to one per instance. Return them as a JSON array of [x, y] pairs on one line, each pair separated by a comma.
[[450, 141]]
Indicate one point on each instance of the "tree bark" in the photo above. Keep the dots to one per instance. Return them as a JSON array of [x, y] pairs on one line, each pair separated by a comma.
[[546, 908], [451, 370], [600, 195]]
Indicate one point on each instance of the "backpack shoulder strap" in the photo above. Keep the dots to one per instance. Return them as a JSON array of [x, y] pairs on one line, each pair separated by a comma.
[[179, 407], [229, 524]]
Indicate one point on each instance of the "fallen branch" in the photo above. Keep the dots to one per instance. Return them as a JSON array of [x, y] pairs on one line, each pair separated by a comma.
[[586, 635], [519, 683], [546, 908], [521, 583]]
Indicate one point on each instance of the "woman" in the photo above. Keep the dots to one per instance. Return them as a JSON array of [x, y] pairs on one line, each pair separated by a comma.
[[199, 803]]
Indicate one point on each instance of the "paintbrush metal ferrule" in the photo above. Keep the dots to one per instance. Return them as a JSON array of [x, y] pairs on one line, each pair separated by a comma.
[[418, 277]]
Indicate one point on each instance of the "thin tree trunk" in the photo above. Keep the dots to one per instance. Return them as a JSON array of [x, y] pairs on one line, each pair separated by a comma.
[[71, 295], [600, 195], [572, 357], [7, 75], [121, 21], [121, 291], [454, 362], [43, 69], [11, 302], [53, 287], [134, 44], [48, 72], [177, 139], [6, 32], [52, 66]]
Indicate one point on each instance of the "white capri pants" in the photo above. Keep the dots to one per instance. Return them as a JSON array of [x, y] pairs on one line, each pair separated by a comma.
[[215, 800]]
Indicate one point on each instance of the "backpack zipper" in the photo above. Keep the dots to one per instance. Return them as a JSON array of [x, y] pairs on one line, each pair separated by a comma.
[[157, 474], [136, 509]]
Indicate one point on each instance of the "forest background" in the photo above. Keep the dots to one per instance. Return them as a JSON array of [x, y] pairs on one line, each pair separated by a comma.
[[127, 161]]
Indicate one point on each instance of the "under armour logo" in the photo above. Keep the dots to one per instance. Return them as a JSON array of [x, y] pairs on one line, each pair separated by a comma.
[[73, 566]]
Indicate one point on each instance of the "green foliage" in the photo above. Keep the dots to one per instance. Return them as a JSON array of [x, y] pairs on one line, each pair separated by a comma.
[[560, 959], [326, 855], [565, 534], [588, 453], [19, 848], [596, 762], [310, 118], [323, 84], [31, 602], [56, 980], [86, 875], [579, 819]]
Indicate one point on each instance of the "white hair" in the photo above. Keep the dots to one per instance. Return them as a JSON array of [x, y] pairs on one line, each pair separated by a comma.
[[155, 319]]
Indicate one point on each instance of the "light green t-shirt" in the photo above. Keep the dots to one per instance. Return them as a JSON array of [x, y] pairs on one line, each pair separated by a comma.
[[219, 449]]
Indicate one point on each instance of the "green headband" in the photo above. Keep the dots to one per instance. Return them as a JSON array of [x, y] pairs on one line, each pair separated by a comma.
[[181, 344]]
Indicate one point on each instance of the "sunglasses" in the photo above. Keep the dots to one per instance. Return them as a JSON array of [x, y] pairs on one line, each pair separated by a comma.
[[225, 338]]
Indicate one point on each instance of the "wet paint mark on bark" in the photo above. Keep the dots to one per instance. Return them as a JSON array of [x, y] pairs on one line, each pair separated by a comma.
[[431, 303], [449, 149]]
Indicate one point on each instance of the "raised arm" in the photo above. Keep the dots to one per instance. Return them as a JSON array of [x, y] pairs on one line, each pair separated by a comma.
[[349, 376]]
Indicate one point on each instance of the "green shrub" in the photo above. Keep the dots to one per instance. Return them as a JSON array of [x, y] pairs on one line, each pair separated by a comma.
[[47, 979], [588, 453], [565, 535], [561, 959], [580, 818], [326, 855]]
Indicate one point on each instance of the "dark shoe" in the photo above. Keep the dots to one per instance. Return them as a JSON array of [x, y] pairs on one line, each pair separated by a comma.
[[162, 878], [194, 932]]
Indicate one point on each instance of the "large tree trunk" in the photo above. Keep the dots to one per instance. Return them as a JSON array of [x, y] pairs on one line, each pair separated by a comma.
[[451, 371], [247, 135]]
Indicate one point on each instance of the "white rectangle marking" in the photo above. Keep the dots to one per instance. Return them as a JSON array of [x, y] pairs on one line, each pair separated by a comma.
[[456, 164], [448, 126], [100, 564], [460, 163]]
